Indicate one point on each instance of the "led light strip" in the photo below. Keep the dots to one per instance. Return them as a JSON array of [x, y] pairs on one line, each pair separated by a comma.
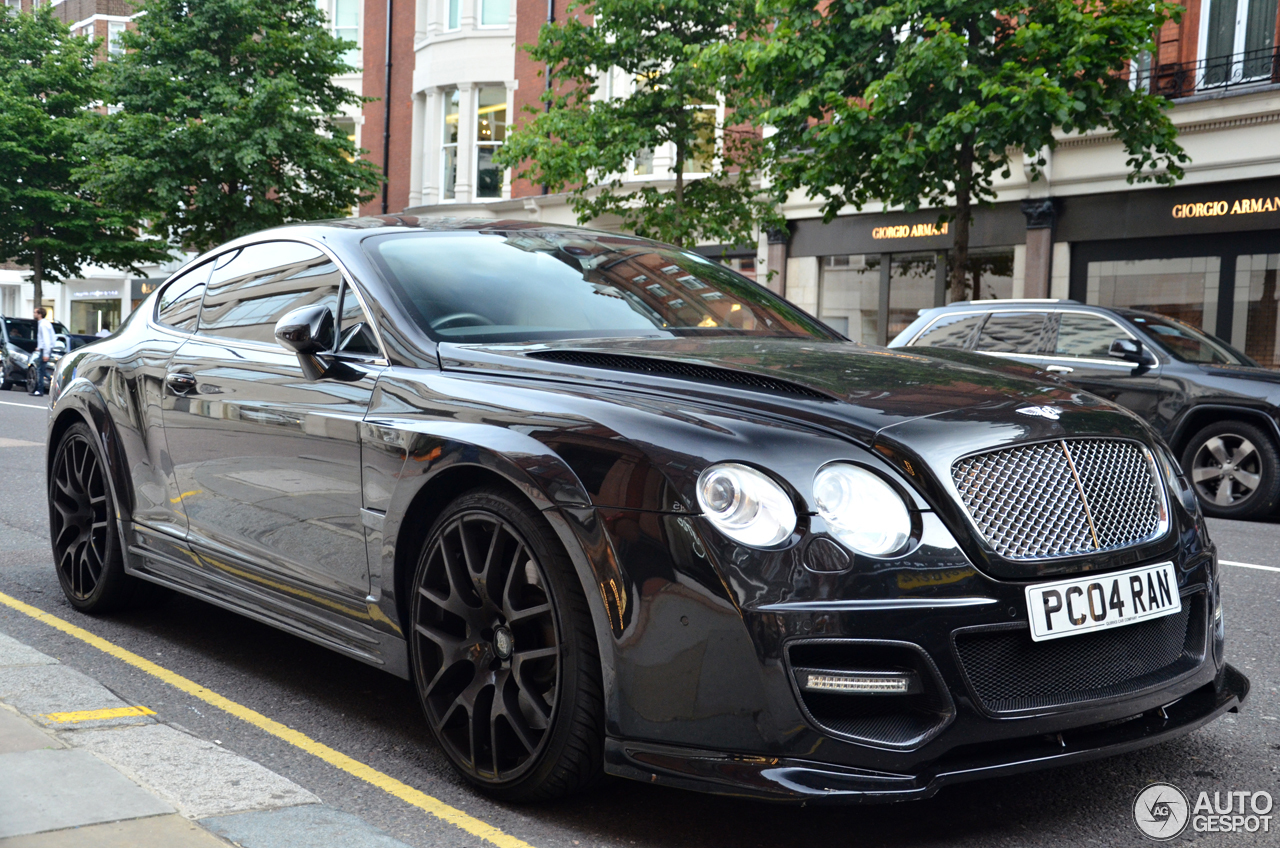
[[896, 684]]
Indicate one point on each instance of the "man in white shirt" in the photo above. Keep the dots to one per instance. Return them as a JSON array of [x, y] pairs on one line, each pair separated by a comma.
[[104, 332], [44, 347]]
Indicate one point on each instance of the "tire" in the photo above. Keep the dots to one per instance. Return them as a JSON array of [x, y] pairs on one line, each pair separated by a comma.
[[31, 381], [84, 531], [504, 657], [1235, 470]]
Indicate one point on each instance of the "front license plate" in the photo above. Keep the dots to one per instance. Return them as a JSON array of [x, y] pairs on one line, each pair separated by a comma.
[[1085, 604]]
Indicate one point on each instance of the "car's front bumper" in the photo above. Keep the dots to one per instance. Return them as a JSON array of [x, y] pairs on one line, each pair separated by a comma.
[[798, 780]]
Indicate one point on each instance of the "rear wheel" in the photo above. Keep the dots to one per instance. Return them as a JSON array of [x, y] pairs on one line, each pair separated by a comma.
[[504, 653], [1235, 469], [82, 523]]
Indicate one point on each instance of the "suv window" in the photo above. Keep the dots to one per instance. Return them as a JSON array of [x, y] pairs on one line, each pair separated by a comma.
[[22, 332], [1012, 332], [952, 331], [1087, 335], [178, 305], [249, 294]]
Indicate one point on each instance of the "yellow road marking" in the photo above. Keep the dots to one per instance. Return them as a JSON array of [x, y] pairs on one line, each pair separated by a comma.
[[185, 495], [337, 759], [94, 715]]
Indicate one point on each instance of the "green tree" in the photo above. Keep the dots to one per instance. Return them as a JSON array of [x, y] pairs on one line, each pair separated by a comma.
[[224, 120], [586, 141], [48, 221], [919, 102]]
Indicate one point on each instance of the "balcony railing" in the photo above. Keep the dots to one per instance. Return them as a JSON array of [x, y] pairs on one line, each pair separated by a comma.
[[1220, 73]]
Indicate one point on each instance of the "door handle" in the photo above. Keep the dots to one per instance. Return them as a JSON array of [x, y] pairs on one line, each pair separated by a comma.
[[180, 382], [1059, 369]]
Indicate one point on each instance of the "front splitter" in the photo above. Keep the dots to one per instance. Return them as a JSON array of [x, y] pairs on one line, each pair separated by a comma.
[[805, 781]]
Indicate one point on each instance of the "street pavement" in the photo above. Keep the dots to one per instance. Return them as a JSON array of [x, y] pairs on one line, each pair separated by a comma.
[[373, 719]]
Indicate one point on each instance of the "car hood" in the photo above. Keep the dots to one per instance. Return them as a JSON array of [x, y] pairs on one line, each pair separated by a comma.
[[1243, 372], [868, 393]]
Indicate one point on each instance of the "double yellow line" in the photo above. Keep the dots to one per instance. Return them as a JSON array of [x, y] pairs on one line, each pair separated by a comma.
[[385, 782]]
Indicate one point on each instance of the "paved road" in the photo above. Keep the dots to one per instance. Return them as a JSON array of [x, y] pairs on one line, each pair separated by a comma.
[[375, 718]]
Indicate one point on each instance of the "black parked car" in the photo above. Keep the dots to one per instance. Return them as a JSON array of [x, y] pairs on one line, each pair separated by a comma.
[[614, 508], [1217, 408], [18, 338]]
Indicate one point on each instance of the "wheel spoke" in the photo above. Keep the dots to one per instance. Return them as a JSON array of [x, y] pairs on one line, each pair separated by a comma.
[[1204, 473], [1223, 496], [452, 603], [1218, 448], [451, 647], [1248, 479], [515, 717], [460, 585]]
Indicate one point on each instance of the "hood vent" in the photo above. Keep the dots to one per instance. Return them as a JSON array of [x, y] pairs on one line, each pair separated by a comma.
[[671, 368]]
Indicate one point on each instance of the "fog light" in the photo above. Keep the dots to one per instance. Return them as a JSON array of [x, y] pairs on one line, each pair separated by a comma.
[[859, 682]]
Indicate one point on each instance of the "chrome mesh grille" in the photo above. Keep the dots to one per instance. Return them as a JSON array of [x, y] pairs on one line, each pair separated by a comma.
[[1062, 498]]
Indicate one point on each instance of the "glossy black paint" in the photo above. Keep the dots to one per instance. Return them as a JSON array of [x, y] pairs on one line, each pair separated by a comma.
[[304, 502]]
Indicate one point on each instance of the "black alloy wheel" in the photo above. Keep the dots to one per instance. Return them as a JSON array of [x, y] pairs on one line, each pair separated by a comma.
[[1235, 470], [82, 525], [504, 654]]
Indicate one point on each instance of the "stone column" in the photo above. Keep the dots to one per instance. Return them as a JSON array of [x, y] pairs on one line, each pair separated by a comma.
[[779, 238], [466, 143], [1040, 214], [882, 312]]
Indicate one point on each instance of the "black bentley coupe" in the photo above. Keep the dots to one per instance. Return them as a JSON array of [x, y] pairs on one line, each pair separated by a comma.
[[616, 509]]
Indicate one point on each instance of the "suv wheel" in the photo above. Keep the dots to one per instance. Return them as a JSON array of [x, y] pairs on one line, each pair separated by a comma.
[[1235, 469]]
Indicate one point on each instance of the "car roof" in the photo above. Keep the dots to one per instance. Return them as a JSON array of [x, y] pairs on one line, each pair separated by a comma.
[[350, 230]]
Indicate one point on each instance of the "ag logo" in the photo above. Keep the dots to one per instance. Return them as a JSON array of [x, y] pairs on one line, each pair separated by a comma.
[[1050, 412], [1161, 811]]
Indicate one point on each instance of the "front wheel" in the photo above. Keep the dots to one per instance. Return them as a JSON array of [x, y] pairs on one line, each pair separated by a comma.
[[1235, 469], [504, 653], [82, 524]]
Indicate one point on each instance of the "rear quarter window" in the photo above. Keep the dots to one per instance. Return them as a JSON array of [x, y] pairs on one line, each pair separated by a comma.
[[951, 331], [1012, 332]]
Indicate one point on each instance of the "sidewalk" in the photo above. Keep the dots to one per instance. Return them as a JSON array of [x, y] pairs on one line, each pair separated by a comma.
[[79, 767]]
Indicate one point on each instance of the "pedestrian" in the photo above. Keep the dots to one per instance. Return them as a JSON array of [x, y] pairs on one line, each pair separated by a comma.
[[104, 332], [44, 347]]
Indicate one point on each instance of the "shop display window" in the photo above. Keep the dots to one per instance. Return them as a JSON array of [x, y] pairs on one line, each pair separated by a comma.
[[1256, 274], [1183, 288]]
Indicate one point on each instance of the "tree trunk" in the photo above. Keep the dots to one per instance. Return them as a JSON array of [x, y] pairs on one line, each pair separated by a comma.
[[678, 236], [37, 274], [960, 253]]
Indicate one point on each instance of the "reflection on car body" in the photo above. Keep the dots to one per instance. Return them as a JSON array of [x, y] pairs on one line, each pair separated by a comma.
[[614, 508]]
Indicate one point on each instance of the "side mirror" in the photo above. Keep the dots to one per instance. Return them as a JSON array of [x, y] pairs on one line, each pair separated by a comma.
[[307, 330], [1130, 350]]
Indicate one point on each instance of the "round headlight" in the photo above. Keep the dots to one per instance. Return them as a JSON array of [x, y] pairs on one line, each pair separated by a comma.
[[746, 505], [861, 510]]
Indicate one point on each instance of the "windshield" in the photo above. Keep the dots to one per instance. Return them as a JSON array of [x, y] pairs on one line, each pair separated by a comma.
[[1187, 344], [22, 332], [528, 286]]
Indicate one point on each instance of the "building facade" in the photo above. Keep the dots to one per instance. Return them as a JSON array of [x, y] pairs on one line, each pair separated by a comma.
[[1206, 250]]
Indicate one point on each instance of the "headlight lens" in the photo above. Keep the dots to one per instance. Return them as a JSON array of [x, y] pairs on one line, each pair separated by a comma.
[[20, 358], [861, 510], [746, 505]]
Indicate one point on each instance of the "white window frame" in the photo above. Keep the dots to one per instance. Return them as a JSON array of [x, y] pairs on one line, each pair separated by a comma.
[[451, 9], [446, 99], [1235, 73], [477, 144], [480, 24]]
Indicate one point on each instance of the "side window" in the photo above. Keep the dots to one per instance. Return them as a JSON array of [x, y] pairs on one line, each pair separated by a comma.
[[248, 295], [1012, 332], [952, 331], [355, 330], [1087, 335], [178, 305]]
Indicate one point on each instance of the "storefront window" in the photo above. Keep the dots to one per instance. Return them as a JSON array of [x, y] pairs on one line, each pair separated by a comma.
[[911, 288], [744, 265], [1186, 289], [449, 150], [1258, 274], [989, 276], [849, 295], [88, 317], [491, 131]]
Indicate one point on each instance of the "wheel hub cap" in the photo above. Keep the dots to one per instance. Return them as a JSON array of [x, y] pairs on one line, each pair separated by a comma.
[[503, 643]]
